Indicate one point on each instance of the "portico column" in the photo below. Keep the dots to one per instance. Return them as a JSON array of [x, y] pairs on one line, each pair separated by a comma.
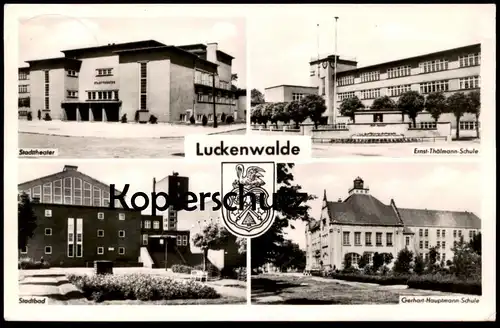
[[104, 118], [91, 115], [78, 116]]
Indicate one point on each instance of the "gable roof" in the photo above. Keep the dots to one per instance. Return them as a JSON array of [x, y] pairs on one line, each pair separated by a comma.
[[434, 218], [361, 209]]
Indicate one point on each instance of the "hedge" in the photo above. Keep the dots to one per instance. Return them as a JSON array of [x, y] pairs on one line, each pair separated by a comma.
[[180, 268], [139, 287], [374, 279], [448, 283], [30, 264]]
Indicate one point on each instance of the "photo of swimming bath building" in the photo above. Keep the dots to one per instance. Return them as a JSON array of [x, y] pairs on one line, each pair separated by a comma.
[[361, 224], [136, 79], [76, 226]]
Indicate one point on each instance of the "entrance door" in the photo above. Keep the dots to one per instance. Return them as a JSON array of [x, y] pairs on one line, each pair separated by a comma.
[[70, 111], [112, 112], [378, 118]]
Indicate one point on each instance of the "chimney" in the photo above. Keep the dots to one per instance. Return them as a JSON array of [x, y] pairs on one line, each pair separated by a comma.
[[212, 52], [70, 168]]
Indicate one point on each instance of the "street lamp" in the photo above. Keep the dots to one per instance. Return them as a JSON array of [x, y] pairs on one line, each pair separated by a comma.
[[334, 114]]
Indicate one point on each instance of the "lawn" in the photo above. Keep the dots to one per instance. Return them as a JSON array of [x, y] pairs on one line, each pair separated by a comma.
[[288, 289]]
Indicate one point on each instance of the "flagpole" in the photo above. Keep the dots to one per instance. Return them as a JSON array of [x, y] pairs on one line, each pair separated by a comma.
[[317, 48], [334, 114]]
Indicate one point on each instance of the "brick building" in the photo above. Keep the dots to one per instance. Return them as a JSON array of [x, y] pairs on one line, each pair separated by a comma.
[[103, 83], [362, 224]]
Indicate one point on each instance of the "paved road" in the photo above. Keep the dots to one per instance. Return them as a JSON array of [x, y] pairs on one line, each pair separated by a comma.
[[92, 147]]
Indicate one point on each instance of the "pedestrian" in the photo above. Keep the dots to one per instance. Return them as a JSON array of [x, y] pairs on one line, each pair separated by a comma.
[[39, 115], [41, 260]]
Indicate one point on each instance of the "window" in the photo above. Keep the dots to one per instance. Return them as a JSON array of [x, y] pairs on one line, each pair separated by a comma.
[[100, 216], [144, 239], [77, 184], [438, 233], [48, 232], [454, 233], [398, 90], [184, 240], [121, 250], [470, 82], [378, 238], [121, 233], [427, 244], [79, 237], [24, 250], [23, 76], [370, 94], [433, 66], [147, 224], [470, 60], [357, 238], [443, 233], [389, 238], [346, 95], [47, 80], [72, 73], [104, 72], [438, 256], [121, 216], [312, 72], [100, 250], [72, 93], [407, 241], [370, 76], [459, 233], [421, 244], [179, 240], [443, 244], [443, 257], [97, 196], [346, 238], [426, 232], [71, 240], [399, 71], [23, 88], [68, 191], [297, 96], [48, 213], [37, 193], [426, 256], [48, 249], [323, 86], [100, 233], [156, 225], [143, 83], [345, 80], [438, 244], [368, 238], [87, 194]]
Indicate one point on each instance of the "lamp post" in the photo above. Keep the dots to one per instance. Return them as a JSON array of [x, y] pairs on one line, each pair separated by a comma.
[[334, 113]]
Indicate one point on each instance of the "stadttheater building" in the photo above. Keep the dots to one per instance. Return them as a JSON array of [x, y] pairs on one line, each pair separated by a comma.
[[447, 71], [361, 224], [103, 83]]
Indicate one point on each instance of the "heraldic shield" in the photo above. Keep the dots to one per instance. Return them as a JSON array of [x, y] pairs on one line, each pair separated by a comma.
[[247, 197]]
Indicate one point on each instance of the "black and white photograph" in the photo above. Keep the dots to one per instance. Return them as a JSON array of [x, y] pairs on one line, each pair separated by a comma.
[[116, 87], [74, 248], [370, 80], [372, 233]]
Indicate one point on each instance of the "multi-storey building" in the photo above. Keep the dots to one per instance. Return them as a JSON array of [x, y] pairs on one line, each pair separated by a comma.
[[361, 224], [288, 93], [23, 103], [447, 71], [138, 79]]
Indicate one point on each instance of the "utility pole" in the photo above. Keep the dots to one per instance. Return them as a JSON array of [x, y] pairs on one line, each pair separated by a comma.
[[213, 99], [334, 113]]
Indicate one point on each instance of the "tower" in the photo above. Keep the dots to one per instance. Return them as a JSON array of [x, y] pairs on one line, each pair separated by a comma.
[[359, 187]]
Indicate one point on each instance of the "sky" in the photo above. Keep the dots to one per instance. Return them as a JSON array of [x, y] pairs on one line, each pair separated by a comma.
[[420, 185], [369, 33], [44, 36]]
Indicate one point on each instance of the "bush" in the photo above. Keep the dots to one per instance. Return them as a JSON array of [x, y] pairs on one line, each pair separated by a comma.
[[29, 116], [29, 264], [47, 117], [192, 120], [204, 120], [211, 269], [230, 120], [136, 117], [403, 262], [446, 283], [139, 287], [179, 268], [374, 279], [223, 117], [153, 119], [124, 118]]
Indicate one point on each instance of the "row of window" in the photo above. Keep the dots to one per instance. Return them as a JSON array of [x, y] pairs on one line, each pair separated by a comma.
[[121, 216], [297, 96], [439, 256], [23, 88], [143, 88], [100, 233], [468, 125], [442, 233], [23, 76], [147, 224], [219, 99], [47, 99], [104, 72], [368, 238], [425, 67], [102, 95], [100, 250], [439, 244], [466, 83], [72, 73], [199, 117], [72, 93], [180, 240]]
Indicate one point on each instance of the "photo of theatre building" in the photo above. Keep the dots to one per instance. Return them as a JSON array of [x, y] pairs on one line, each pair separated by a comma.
[[136, 79], [362, 224], [76, 226]]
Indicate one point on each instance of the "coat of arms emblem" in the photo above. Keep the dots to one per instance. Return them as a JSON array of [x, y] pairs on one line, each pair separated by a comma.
[[247, 192]]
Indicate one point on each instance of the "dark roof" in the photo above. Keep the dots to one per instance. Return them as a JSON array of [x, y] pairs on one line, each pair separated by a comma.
[[57, 59], [402, 60], [149, 216], [114, 47], [407, 231], [332, 58], [434, 218], [225, 54], [361, 209], [291, 85], [193, 46]]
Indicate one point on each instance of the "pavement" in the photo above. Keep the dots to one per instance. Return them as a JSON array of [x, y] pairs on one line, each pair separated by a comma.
[[118, 130]]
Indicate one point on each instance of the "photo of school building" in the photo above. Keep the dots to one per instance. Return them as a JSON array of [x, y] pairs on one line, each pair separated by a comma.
[[362, 224], [76, 226], [136, 79]]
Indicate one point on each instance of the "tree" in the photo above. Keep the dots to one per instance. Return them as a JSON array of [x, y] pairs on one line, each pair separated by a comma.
[[212, 237], [411, 103], [315, 107], [435, 104], [256, 114], [383, 103], [234, 77], [466, 262], [350, 106], [431, 262], [296, 112], [242, 245], [256, 97], [267, 113], [419, 265], [475, 243], [26, 221], [278, 113], [403, 261], [291, 205], [388, 257], [458, 104], [290, 257], [347, 264], [364, 260], [378, 261], [474, 98]]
